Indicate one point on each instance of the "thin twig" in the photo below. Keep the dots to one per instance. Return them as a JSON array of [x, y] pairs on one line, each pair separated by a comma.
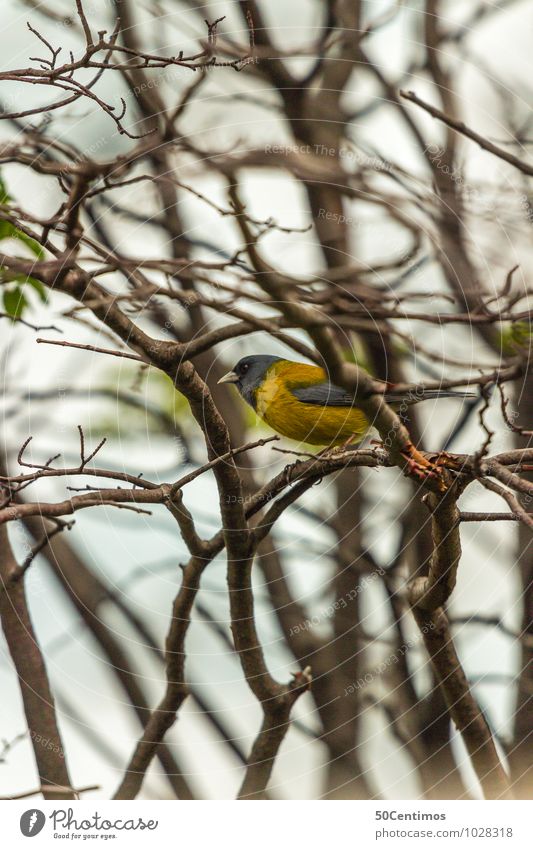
[[461, 128], [124, 354]]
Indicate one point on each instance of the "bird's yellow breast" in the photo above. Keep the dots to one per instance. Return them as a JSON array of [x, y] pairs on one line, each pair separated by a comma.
[[311, 423]]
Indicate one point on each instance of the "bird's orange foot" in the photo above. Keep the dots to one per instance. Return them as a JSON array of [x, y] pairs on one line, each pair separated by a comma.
[[418, 466], [447, 461]]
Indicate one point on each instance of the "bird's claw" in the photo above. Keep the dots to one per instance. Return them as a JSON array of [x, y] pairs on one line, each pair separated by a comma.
[[445, 460], [418, 466], [334, 450], [327, 453], [288, 470]]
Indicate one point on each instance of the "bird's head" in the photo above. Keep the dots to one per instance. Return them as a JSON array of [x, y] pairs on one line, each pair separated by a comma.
[[248, 374]]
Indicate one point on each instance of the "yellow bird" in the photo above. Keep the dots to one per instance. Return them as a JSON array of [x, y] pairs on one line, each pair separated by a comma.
[[299, 402]]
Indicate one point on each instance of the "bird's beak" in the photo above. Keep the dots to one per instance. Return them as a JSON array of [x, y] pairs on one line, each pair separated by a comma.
[[230, 377]]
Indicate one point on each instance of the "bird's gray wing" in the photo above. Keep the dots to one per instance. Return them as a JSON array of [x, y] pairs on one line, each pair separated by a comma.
[[329, 395], [324, 395]]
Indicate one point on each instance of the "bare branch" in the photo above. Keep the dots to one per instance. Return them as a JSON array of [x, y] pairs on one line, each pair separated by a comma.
[[461, 128]]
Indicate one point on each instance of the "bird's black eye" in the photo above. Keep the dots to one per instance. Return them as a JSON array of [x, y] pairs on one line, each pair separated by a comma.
[[245, 367]]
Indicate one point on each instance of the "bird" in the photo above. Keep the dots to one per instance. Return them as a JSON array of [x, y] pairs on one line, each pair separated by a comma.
[[299, 402]]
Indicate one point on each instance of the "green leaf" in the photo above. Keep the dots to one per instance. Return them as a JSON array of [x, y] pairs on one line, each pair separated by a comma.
[[30, 243], [7, 230], [516, 336], [5, 197], [8, 277], [15, 302], [38, 286]]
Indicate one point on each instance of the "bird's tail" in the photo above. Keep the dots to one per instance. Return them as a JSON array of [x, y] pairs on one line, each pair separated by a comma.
[[419, 393]]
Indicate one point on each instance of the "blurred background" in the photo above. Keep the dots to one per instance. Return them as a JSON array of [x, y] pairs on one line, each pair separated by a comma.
[[101, 602]]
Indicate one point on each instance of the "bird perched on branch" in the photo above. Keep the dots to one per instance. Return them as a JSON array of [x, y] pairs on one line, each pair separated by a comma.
[[299, 402]]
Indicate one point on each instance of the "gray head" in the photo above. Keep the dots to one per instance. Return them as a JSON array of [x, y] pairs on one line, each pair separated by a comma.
[[248, 374]]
